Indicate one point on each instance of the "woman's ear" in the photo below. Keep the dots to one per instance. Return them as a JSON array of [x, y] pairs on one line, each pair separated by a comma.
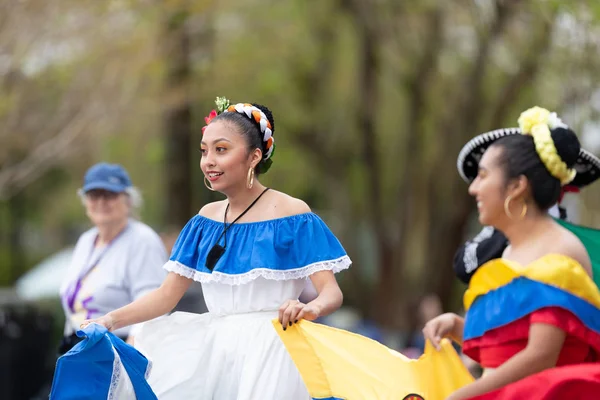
[[255, 157], [129, 202], [518, 187]]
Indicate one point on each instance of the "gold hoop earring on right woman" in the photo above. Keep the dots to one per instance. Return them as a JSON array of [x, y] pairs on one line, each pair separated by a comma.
[[250, 178], [207, 184], [510, 214]]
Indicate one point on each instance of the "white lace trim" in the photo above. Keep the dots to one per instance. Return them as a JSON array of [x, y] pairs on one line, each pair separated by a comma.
[[336, 266], [116, 376]]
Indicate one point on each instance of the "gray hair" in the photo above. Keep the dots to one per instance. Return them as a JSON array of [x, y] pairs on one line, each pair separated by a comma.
[[134, 195]]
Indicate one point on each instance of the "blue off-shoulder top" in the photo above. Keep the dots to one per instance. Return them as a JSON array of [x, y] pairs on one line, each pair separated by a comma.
[[280, 249]]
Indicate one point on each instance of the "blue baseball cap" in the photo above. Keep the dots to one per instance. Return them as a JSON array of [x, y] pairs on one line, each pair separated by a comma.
[[111, 177]]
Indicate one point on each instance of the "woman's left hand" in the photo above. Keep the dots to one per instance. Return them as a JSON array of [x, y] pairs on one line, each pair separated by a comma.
[[293, 311]]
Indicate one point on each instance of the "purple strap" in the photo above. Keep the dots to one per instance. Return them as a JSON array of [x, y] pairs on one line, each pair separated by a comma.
[[73, 290]]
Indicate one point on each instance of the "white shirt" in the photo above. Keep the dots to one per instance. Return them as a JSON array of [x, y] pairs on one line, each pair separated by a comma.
[[129, 267]]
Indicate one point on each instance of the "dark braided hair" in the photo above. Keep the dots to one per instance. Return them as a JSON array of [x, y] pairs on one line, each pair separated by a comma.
[[251, 131], [519, 157]]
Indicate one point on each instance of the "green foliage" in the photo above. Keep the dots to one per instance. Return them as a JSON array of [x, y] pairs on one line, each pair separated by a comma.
[[441, 72]]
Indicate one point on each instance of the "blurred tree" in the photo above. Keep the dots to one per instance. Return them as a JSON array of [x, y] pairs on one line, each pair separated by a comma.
[[177, 113], [419, 80], [67, 81], [373, 100]]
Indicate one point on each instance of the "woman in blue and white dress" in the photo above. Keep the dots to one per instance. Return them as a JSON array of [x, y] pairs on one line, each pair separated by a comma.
[[252, 254]]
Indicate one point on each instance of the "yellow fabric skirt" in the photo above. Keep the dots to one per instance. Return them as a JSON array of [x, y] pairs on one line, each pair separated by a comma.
[[337, 364]]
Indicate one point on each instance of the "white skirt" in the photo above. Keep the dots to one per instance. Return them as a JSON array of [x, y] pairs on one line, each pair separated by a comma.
[[206, 357]]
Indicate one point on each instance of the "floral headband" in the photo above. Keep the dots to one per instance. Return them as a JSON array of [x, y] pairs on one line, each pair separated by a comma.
[[537, 122], [252, 112]]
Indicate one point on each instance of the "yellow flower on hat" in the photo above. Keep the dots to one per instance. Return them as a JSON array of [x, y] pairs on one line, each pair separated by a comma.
[[537, 122], [532, 117]]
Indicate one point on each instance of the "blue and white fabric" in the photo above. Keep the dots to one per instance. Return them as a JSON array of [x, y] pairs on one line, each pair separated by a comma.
[[233, 352], [279, 249], [101, 366]]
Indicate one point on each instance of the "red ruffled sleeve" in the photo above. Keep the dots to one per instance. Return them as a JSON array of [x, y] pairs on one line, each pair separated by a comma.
[[581, 382], [498, 345]]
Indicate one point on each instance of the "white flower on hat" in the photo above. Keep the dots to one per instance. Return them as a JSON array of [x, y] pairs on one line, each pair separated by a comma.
[[555, 122]]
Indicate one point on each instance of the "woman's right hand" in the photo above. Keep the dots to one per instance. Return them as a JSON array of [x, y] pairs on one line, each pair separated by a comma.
[[106, 321], [445, 325]]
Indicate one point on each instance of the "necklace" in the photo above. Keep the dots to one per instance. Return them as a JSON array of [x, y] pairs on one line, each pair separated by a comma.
[[217, 251]]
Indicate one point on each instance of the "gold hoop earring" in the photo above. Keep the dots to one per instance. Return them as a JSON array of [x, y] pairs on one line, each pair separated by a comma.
[[510, 214], [250, 178], [207, 184]]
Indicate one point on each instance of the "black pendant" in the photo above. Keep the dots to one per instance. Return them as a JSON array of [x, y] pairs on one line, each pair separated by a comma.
[[214, 255]]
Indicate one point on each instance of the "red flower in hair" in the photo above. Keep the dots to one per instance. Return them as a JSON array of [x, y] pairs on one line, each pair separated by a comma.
[[210, 117]]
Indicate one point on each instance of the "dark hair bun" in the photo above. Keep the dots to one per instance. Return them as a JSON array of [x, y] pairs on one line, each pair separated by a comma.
[[268, 113], [567, 145]]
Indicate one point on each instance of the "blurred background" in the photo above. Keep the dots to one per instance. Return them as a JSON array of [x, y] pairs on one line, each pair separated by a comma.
[[373, 100]]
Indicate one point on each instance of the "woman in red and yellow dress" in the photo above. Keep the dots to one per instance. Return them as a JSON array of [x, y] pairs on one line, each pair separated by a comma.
[[533, 316]]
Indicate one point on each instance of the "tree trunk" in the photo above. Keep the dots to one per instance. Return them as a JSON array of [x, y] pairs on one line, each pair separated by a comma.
[[16, 255], [177, 120]]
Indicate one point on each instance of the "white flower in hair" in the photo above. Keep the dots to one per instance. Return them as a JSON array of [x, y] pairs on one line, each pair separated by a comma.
[[555, 122], [222, 104]]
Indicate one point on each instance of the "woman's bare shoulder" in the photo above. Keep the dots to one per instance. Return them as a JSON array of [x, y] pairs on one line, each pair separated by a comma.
[[285, 205], [213, 210], [571, 246]]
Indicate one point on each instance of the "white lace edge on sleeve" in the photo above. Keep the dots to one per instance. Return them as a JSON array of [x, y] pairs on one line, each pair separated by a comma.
[[336, 265]]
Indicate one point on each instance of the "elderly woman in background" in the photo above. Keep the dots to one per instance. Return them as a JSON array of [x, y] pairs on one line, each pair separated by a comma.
[[116, 261]]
